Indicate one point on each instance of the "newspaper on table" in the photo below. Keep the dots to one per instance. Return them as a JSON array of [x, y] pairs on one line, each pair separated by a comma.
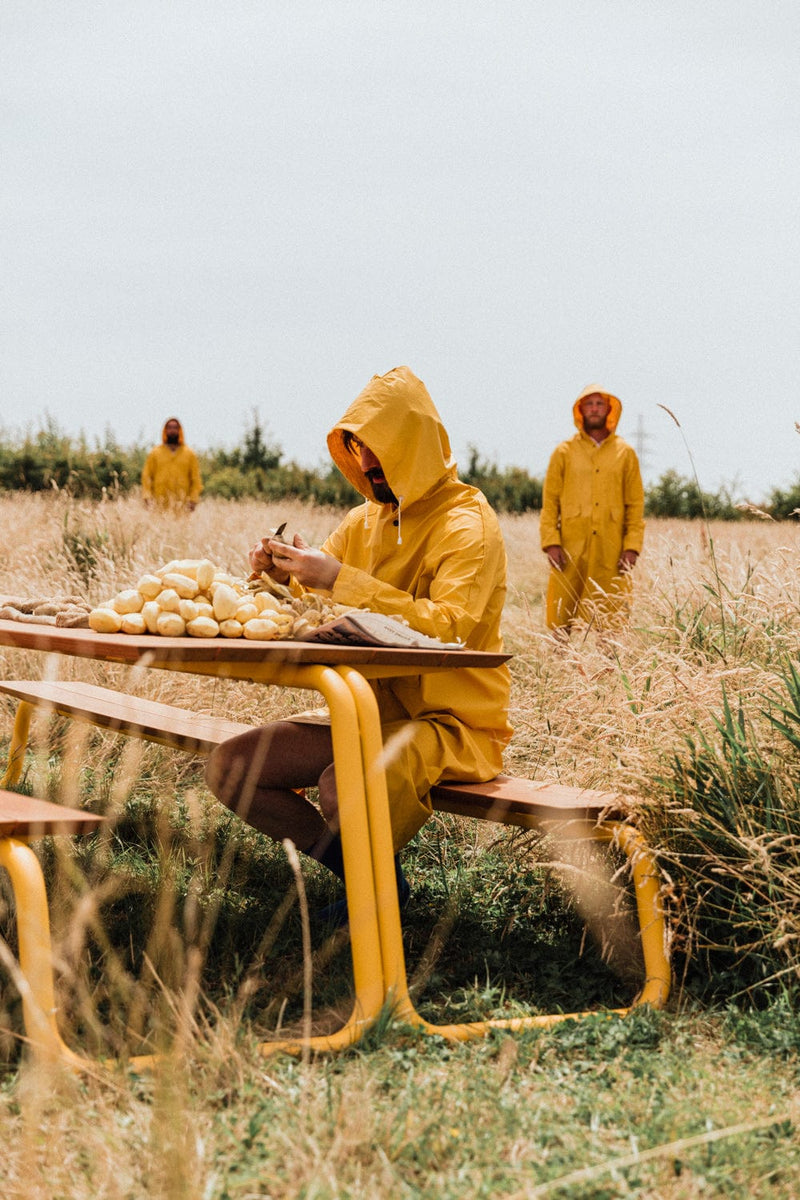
[[364, 628]]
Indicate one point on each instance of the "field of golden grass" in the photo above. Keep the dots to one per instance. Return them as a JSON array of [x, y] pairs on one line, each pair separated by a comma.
[[645, 1109], [712, 604]]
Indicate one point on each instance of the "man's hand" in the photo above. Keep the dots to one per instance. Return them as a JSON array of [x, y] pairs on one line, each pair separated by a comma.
[[627, 561], [558, 559], [261, 559], [310, 567]]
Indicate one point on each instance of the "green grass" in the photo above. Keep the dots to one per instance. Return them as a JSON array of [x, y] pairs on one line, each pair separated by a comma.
[[667, 1106], [677, 1104]]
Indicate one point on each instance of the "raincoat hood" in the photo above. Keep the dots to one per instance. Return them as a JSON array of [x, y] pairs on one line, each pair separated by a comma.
[[164, 431], [614, 412], [395, 417]]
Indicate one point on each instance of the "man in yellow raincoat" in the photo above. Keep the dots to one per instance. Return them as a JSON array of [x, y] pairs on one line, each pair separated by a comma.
[[171, 474], [592, 522], [425, 547]]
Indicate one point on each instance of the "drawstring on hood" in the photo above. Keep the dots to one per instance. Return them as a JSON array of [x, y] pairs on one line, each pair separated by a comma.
[[395, 417]]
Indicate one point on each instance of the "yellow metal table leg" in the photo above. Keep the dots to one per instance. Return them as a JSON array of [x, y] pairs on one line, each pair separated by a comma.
[[356, 848], [356, 844], [19, 743], [391, 936], [35, 980], [650, 910]]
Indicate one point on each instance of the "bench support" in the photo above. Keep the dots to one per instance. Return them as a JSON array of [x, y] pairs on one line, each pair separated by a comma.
[[23, 818], [19, 743], [34, 975], [645, 875]]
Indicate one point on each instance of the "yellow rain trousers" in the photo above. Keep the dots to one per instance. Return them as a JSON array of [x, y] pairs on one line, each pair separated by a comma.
[[437, 560], [593, 507], [171, 475]]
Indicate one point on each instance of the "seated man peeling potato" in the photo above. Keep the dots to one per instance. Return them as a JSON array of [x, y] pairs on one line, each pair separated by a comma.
[[424, 547]]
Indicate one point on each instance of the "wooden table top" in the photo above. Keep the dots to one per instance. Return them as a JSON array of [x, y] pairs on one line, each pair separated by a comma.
[[131, 648]]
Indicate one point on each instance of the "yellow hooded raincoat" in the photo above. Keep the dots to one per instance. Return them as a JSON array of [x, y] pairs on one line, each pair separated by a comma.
[[593, 507], [171, 476], [438, 561]]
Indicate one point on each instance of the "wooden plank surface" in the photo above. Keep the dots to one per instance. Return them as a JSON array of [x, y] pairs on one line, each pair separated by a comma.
[[24, 816], [509, 794], [136, 716], [125, 648]]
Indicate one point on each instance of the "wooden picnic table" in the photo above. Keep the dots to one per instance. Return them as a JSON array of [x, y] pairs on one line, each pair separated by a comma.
[[341, 675]]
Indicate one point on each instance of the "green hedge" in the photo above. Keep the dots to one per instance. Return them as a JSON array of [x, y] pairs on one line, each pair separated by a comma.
[[50, 460]]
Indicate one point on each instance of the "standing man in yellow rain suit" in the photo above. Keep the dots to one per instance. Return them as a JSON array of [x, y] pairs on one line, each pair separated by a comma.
[[592, 522], [171, 474], [425, 547]]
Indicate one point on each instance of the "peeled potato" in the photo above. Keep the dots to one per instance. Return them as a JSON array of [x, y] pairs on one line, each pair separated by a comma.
[[226, 601], [168, 600], [149, 586], [129, 601], [150, 612], [264, 602], [246, 611], [204, 608], [188, 609], [261, 629], [105, 620], [133, 623], [183, 566], [231, 628], [204, 627], [170, 624], [205, 573], [186, 588]]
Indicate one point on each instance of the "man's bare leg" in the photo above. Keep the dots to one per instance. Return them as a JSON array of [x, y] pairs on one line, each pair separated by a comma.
[[256, 775]]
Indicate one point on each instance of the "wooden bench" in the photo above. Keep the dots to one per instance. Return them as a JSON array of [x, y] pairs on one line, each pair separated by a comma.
[[23, 819], [131, 715], [507, 800]]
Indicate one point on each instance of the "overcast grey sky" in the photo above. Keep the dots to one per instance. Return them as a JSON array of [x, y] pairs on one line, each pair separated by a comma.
[[213, 207]]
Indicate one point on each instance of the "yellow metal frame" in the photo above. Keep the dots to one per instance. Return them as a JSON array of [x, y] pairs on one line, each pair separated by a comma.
[[645, 873], [35, 977], [19, 741], [379, 971], [28, 884]]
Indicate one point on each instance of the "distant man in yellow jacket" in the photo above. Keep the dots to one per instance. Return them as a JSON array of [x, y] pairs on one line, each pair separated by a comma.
[[171, 474], [425, 547], [592, 522]]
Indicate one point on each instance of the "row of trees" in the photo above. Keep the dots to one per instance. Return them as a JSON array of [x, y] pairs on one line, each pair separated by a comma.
[[51, 460]]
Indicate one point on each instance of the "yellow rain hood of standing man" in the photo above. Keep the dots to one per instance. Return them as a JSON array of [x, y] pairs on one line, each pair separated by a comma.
[[171, 474], [592, 522]]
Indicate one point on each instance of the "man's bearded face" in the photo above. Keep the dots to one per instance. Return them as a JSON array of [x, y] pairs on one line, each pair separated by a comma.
[[373, 471]]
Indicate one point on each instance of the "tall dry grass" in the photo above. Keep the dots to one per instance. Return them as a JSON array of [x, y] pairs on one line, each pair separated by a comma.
[[715, 617], [636, 710]]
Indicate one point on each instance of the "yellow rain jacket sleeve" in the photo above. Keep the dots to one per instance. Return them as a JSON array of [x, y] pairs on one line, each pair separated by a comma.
[[438, 561], [171, 475], [593, 507]]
